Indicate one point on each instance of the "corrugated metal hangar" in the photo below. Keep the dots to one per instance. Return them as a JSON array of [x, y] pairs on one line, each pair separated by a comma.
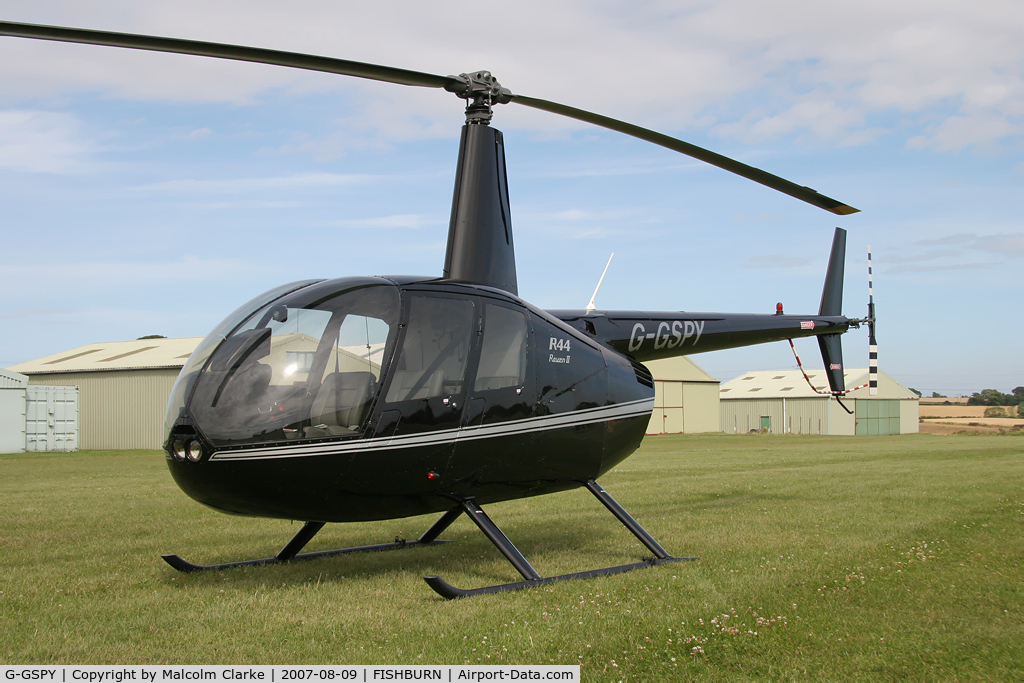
[[782, 402], [123, 387], [685, 398]]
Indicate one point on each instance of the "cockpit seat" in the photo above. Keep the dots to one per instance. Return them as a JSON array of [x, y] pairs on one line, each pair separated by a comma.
[[340, 404], [247, 386]]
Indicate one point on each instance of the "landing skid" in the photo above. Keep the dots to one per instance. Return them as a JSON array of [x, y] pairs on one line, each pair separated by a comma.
[[533, 579], [450, 592], [291, 551]]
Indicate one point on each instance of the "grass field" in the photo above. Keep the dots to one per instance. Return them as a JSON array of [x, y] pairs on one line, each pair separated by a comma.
[[820, 557]]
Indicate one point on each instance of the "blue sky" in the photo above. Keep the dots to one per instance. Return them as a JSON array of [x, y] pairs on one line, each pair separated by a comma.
[[153, 194]]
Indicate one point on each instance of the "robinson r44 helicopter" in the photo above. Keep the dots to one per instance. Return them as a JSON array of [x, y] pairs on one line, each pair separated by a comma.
[[371, 398]]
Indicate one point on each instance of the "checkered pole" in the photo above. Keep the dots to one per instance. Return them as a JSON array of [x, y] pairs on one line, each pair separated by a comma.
[[872, 344]]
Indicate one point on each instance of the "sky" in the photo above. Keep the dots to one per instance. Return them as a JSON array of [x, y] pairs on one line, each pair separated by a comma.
[[153, 194]]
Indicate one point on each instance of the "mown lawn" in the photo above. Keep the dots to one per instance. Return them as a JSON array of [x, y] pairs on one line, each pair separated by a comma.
[[820, 557]]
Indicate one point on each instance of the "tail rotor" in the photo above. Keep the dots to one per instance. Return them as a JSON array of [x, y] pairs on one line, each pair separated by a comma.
[[831, 349]]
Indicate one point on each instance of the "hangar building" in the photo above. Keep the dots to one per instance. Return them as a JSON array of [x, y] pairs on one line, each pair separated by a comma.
[[781, 401], [685, 398], [123, 387]]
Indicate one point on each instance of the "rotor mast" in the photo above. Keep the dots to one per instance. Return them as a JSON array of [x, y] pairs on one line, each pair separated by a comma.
[[480, 246]]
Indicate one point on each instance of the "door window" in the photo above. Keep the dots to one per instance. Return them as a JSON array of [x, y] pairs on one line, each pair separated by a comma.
[[503, 354], [432, 361]]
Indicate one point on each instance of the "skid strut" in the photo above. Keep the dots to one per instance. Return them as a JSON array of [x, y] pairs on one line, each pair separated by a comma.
[[305, 535], [532, 578]]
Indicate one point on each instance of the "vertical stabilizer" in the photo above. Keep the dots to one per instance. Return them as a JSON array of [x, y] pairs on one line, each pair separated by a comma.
[[832, 304], [832, 293]]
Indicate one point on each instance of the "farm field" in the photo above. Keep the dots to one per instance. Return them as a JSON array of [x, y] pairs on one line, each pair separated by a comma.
[[820, 557], [927, 410], [964, 412]]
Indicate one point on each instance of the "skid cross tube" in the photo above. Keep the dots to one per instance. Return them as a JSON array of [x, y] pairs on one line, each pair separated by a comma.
[[533, 579], [290, 551]]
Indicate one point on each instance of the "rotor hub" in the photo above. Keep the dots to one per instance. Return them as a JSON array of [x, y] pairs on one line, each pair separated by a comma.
[[480, 89]]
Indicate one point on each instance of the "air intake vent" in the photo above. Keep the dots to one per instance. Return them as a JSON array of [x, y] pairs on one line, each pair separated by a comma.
[[643, 375]]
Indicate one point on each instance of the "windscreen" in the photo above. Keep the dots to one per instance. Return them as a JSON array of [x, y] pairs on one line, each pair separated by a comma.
[[189, 373], [305, 366]]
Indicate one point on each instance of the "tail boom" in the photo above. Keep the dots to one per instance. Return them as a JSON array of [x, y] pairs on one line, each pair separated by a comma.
[[650, 335]]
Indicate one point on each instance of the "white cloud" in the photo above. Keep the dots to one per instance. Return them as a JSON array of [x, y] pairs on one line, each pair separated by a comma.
[[960, 251], [1003, 244], [409, 220], [818, 115], [83, 277], [241, 185], [957, 132], [42, 142], [194, 134], [672, 65]]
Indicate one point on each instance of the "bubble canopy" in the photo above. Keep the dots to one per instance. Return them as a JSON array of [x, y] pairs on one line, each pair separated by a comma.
[[302, 362]]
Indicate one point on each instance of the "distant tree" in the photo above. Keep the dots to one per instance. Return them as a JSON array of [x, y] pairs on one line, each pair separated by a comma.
[[915, 391], [153, 336], [936, 394], [1020, 410], [991, 397], [1018, 393]]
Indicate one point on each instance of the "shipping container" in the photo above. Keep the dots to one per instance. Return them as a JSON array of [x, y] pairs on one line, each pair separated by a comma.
[[51, 418]]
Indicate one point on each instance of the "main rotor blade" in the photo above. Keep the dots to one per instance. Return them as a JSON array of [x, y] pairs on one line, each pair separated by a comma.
[[757, 175], [463, 86], [240, 53]]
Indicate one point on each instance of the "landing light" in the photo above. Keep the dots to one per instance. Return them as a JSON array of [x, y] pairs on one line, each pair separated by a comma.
[[179, 450], [195, 451]]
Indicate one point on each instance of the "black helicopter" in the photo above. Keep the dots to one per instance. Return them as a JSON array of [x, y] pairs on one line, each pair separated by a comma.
[[370, 398]]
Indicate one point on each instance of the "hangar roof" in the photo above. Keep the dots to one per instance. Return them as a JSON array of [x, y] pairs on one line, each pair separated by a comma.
[[791, 384], [679, 368], [120, 355]]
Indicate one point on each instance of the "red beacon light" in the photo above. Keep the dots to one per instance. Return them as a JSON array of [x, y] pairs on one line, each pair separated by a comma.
[[778, 308]]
